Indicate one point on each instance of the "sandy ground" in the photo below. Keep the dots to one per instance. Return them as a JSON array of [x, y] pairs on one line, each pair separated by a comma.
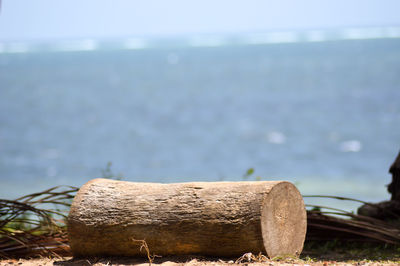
[[178, 261]]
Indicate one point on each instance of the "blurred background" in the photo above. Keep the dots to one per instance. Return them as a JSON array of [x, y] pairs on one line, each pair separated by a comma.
[[179, 91]]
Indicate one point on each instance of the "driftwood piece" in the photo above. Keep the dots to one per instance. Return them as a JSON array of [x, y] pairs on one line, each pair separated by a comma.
[[108, 217]]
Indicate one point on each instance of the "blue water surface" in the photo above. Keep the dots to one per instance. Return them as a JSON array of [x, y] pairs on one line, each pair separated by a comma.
[[325, 115]]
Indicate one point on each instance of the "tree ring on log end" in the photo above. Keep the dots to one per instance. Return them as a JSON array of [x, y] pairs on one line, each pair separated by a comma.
[[283, 221]]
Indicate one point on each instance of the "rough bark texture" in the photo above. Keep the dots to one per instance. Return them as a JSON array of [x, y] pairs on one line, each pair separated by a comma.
[[216, 218]]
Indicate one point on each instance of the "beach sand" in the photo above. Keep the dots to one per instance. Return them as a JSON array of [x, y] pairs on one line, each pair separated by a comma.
[[69, 261]]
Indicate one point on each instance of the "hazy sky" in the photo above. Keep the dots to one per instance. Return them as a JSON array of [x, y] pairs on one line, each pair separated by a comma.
[[60, 19]]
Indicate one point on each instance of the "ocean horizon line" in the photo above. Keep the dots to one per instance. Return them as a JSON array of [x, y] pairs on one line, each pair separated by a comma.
[[200, 40]]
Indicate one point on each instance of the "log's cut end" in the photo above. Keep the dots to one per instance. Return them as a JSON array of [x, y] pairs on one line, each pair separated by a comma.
[[283, 221]]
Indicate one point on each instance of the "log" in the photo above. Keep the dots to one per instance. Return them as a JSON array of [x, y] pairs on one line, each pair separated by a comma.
[[226, 219]]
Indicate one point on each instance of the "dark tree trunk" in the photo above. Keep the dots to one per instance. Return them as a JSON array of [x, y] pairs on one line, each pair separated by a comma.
[[394, 187], [387, 210]]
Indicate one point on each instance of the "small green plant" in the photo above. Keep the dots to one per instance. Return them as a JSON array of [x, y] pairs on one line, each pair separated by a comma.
[[109, 174], [248, 173]]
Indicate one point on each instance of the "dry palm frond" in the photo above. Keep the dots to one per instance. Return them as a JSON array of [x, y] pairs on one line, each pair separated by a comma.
[[28, 229], [327, 223]]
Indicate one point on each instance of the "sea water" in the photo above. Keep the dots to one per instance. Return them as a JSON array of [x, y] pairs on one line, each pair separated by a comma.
[[324, 115]]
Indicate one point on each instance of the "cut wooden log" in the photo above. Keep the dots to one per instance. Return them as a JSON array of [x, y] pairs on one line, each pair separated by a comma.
[[227, 219]]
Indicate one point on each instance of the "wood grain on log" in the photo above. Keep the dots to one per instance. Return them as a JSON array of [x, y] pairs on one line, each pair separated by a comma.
[[215, 218]]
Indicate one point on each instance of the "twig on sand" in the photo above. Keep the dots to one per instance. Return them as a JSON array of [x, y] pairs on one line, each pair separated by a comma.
[[143, 245], [250, 257]]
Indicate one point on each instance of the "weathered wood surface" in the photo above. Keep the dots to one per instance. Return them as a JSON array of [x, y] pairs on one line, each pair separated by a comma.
[[215, 218]]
